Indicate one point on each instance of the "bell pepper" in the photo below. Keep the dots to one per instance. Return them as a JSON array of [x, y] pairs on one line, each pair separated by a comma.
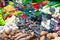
[[44, 3], [37, 1], [50, 4], [36, 6], [2, 22], [19, 13], [37, 13], [1, 9], [25, 2], [57, 5], [11, 3]]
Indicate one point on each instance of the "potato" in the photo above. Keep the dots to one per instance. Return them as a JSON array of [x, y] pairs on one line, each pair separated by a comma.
[[5, 38], [58, 32], [17, 31], [0, 34], [32, 33], [57, 38], [34, 39], [18, 34], [26, 38], [43, 33], [9, 36], [12, 32], [42, 38], [13, 37], [21, 36], [52, 39], [4, 35], [55, 35], [49, 35], [9, 39], [8, 32]]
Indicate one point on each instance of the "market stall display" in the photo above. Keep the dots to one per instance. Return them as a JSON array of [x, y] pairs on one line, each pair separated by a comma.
[[30, 20]]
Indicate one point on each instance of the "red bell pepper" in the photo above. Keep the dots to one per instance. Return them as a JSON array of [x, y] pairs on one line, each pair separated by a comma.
[[44, 3], [23, 16], [1, 4], [36, 6]]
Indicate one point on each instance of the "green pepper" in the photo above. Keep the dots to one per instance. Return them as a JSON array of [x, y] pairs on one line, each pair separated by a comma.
[[7, 14], [50, 4], [25, 2], [57, 5], [11, 3], [37, 13], [2, 22], [1, 9], [37, 1], [19, 14]]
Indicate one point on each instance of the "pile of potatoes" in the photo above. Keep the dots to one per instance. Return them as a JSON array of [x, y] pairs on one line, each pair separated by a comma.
[[50, 36], [15, 35]]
